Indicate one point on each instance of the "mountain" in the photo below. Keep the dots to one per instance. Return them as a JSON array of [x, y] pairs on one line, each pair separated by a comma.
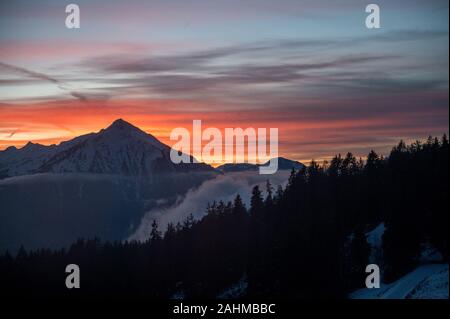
[[283, 164], [121, 149], [96, 185]]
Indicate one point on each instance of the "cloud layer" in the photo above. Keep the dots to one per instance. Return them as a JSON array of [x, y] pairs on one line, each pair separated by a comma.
[[223, 187]]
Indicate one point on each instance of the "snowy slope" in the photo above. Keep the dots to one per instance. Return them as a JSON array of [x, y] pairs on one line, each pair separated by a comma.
[[15, 161], [428, 281], [120, 149], [434, 287], [236, 291], [375, 240]]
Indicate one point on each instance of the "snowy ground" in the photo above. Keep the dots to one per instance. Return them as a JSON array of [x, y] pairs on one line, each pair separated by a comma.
[[236, 291], [375, 240], [425, 282]]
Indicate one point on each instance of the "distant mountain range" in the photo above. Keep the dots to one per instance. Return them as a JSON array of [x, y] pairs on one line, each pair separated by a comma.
[[95, 185], [283, 164], [121, 149]]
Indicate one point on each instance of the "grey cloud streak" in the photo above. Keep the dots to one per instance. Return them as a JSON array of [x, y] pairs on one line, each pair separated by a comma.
[[135, 64], [294, 64], [205, 78], [43, 77]]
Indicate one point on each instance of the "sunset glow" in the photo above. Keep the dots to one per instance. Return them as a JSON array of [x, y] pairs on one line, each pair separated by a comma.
[[328, 85]]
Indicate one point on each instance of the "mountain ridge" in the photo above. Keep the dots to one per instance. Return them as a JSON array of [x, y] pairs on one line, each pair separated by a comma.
[[283, 164], [119, 149]]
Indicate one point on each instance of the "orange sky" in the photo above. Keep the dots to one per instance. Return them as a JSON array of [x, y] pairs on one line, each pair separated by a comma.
[[329, 84], [51, 123]]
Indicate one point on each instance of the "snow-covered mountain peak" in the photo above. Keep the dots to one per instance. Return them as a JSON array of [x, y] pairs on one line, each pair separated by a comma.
[[122, 127], [122, 131], [121, 124], [120, 149]]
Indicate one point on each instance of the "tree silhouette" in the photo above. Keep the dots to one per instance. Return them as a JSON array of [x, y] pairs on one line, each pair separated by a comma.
[[307, 240]]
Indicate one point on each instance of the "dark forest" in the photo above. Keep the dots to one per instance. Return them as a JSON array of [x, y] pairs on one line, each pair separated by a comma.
[[306, 240]]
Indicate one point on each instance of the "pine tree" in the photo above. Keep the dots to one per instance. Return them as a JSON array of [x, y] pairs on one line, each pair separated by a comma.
[[256, 202], [190, 221], [170, 232], [269, 198], [373, 162], [278, 195], [238, 206], [155, 234], [22, 253]]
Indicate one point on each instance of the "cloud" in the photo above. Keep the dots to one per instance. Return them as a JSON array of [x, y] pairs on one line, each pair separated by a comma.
[[386, 84], [79, 96], [126, 63], [245, 70], [205, 80], [43, 77], [12, 134], [36, 75], [276, 69], [224, 187], [395, 36]]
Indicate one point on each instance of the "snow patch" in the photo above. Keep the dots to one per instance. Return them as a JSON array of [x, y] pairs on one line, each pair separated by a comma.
[[430, 254], [433, 287], [375, 240], [238, 290], [425, 282]]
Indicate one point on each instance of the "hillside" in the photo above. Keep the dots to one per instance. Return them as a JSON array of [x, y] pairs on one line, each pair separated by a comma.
[[425, 282]]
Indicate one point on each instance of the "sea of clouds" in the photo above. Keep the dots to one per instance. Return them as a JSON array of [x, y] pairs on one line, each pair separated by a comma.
[[223, 187]]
